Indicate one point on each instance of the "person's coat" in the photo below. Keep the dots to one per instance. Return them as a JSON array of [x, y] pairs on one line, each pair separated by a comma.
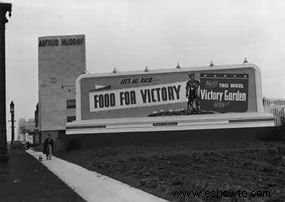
[[46, 143]]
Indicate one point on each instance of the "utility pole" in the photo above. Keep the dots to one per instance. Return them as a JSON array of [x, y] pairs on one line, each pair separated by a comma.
[[12, 111], [4, 9]]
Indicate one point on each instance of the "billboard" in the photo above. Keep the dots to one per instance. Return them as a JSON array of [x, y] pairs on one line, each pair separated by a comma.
[[167, 93]]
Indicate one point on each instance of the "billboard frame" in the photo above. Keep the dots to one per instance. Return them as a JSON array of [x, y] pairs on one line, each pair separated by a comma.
[[256, 70]]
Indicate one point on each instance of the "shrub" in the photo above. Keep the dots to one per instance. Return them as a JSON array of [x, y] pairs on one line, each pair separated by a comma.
[[73, 144]]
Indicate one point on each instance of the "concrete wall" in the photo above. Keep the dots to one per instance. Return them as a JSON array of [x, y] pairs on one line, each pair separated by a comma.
[[177, 137], [57, 135]]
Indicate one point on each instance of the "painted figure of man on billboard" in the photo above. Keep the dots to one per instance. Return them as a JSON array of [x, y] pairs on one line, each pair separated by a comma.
[[192, 93]]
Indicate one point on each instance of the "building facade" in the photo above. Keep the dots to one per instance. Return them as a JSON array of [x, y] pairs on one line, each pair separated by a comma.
[[26, 131], [61, 59]]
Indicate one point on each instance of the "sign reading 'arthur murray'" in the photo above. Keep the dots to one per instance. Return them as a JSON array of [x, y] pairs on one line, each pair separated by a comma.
[[68, 41]]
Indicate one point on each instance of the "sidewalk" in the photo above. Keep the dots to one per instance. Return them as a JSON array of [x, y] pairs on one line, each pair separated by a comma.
[[93, 186], [24, 179]]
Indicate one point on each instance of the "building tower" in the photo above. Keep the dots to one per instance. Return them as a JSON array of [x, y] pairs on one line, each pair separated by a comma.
[[61, 60]]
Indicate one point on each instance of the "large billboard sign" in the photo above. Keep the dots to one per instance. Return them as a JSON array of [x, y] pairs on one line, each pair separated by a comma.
[[167, 93]]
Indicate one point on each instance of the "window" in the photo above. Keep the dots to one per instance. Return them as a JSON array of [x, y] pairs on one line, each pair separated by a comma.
[[70, 118], [70, 104]]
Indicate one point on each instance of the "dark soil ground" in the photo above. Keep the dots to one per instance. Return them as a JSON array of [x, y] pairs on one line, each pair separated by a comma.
[[197, 166], [24, 179]]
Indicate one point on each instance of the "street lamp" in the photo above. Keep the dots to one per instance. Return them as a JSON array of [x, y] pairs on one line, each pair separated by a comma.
[[12, 107], [12, 111]]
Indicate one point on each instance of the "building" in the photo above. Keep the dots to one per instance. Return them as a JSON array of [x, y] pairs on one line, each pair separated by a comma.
[[26, 131], [61, 59]]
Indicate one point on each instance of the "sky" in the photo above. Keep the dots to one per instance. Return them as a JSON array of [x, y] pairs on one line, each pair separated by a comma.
[[132, 34]]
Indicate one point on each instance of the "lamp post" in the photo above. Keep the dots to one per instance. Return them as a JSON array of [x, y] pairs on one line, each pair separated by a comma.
[[4, 9], [12, 111]]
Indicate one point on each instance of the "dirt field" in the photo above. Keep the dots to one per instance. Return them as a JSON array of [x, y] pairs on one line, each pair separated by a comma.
[[212, 168]]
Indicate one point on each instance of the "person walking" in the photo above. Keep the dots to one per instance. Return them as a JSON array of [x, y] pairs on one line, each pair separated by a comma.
[[48, 147]]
